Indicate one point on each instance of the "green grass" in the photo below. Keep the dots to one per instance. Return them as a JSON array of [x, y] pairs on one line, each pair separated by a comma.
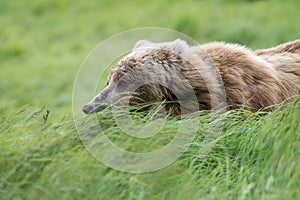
[[42, 47]]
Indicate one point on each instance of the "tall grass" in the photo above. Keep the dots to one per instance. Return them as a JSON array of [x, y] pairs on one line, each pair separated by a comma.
[[255, 157]]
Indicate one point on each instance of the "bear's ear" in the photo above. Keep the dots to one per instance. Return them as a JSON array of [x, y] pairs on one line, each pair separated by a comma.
[[142, 43], [178, 46]]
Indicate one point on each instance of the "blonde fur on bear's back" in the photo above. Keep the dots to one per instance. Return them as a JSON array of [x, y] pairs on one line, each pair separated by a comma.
[[258, 79], [288, 47], [285, 59]]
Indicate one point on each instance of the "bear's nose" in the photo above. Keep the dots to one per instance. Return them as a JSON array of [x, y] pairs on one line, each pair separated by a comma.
[[87, 109]]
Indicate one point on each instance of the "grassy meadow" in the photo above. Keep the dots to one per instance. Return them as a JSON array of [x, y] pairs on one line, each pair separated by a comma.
[[43, 44]]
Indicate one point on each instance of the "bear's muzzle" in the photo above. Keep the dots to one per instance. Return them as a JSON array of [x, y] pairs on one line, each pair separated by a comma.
[[88, 108]]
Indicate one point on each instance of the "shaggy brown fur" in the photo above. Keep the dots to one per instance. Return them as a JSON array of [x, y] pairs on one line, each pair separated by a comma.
[[170, 71]]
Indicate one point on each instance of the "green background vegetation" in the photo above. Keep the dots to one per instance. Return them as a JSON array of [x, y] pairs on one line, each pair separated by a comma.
[[42, 46]]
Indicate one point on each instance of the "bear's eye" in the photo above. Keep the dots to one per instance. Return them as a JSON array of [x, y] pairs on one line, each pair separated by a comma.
[[121, 85]]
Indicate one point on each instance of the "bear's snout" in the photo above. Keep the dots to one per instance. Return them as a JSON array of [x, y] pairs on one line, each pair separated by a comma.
[[88, 108]]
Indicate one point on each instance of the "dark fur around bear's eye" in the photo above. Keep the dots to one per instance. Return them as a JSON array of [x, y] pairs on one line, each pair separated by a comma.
[[121, 85]]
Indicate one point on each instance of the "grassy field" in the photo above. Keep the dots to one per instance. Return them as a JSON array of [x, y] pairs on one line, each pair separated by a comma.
[[43, 44]]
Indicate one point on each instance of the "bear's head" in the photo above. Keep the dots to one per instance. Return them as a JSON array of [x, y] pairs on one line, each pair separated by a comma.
[[152, 72]]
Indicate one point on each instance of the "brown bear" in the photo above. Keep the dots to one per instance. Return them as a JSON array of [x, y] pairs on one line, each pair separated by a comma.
[[201, 77]]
